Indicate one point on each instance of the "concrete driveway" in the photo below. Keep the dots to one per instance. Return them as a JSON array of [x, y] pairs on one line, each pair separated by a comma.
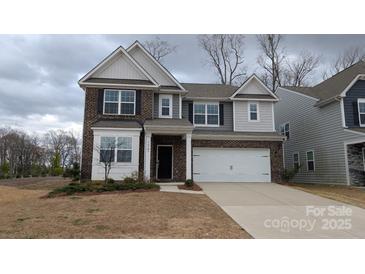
[[269, 210]]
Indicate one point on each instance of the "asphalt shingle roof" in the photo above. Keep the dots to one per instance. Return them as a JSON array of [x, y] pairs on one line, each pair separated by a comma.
[[208, 90]]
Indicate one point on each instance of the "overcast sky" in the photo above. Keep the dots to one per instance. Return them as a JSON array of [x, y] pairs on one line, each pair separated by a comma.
[[39, 73]]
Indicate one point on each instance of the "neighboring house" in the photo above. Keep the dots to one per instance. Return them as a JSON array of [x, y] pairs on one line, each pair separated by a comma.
[[170, 131], [325, 128]]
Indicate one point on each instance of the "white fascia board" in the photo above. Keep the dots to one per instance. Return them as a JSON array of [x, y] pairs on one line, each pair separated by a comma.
[[253, 99], [253, 76], [138, 44], [343, 93], [115, 129], [127, 86], [112, 55]]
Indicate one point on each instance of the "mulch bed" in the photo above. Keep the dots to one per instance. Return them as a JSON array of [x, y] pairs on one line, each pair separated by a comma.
[[195, 187]]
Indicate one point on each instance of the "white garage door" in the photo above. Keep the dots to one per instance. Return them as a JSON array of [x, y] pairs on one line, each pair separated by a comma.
[[231, 165]]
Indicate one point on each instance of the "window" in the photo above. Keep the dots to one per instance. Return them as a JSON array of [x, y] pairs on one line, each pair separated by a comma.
[[361, 108], [253, 112], [165, 106], [107, 149], [124, 149], [296, 161], [284, 130], [310, 161], [120, 152], [206, 114], [121, 102]]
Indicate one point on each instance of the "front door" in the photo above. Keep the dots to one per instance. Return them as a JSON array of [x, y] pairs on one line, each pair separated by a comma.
[[164, 162]]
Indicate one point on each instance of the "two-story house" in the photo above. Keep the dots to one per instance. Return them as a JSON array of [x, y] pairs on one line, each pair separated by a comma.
[[325, 128], [171, 131]]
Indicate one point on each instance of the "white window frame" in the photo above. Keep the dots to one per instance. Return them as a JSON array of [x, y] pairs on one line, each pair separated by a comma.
[[296, 153], [360, 100], [116, 149], [120, 102], [206, 114], [282, 126], [314, 161], [257, 111], [165, 96]]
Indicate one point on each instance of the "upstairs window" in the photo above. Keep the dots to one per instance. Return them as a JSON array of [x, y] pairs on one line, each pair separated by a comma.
[[206, 114], [253, 114], [165, 106], [310, 161], [122, 102], [361, 109], [284, 130], [296, 162]]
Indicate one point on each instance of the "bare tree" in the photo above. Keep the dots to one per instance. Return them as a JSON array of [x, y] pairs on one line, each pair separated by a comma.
[[344, 60], [159, 48], [271, 59], [299, 69], [226, 55]]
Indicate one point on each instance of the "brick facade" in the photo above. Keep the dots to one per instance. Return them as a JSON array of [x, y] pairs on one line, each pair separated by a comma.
[[91, 115], [276, 153], [356, 164], [179, 155]]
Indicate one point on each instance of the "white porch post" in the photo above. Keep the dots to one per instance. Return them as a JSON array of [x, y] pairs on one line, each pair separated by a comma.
[[147, 156], [188, 156]]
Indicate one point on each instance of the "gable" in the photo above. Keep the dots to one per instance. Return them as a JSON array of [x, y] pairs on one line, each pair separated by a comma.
[[120, 67], [162, 76], [253, 87]]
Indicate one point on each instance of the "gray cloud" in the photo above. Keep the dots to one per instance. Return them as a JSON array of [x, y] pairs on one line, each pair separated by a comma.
[[39, 73]]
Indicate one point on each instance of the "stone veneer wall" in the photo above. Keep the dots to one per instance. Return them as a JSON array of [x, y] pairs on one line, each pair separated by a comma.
[[91, 115], [276, 153], [356, 164]]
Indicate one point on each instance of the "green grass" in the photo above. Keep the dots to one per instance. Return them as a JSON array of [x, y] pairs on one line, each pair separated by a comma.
[[98, 187]]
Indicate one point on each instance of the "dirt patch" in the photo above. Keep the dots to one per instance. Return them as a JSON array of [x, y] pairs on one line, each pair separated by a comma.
[[131, 215], [346, 194], [194, 187]]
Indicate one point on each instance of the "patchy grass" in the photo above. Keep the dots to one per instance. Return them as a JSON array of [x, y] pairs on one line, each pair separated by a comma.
[[100, 187], [346, 194], [131, 215]]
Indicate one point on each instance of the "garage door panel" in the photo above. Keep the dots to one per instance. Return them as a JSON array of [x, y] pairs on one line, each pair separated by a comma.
[[231, 165]]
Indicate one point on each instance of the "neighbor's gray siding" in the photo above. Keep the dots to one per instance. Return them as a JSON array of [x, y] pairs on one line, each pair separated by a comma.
[[175, 105], [227, 112], [350, 103], [313, 128]]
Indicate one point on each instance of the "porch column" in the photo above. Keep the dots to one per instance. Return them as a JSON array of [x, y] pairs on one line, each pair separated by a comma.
[[188, 156], [147, 156]]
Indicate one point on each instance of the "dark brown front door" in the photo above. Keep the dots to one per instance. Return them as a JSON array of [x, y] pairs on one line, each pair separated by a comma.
[[164, 162]]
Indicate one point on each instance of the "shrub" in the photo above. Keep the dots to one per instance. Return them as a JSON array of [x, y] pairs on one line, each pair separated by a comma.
[[289, 173], [67, 173], [189, 183], [75, 171], [97, 187], [110, 181], [129, 180]]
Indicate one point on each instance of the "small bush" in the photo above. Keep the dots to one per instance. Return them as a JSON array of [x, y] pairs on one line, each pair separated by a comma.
[[129, 180], [289, 173], [110, 181], [98, 187], [189, 183]]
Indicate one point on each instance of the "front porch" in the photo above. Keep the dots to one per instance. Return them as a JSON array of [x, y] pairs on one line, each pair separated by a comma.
[[167, 150], [355, 163]]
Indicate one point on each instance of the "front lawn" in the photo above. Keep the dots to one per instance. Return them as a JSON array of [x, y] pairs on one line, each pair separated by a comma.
[[349, 195], [131, 215]]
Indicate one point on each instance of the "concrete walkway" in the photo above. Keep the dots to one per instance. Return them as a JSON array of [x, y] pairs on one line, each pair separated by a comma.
[[269, 210]]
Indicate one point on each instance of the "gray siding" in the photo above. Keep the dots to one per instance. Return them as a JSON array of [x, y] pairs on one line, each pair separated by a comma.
[[228, 116], [313, 128], [350, 103], [175, 105], [242, 122]]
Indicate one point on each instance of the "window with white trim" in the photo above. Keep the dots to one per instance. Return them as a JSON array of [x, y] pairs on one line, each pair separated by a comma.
[[253, 112], [165, 106], [284, 130], [122, 102], [296, 161], [206, 114], [310, 161], [361, 109], [115, 149]]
